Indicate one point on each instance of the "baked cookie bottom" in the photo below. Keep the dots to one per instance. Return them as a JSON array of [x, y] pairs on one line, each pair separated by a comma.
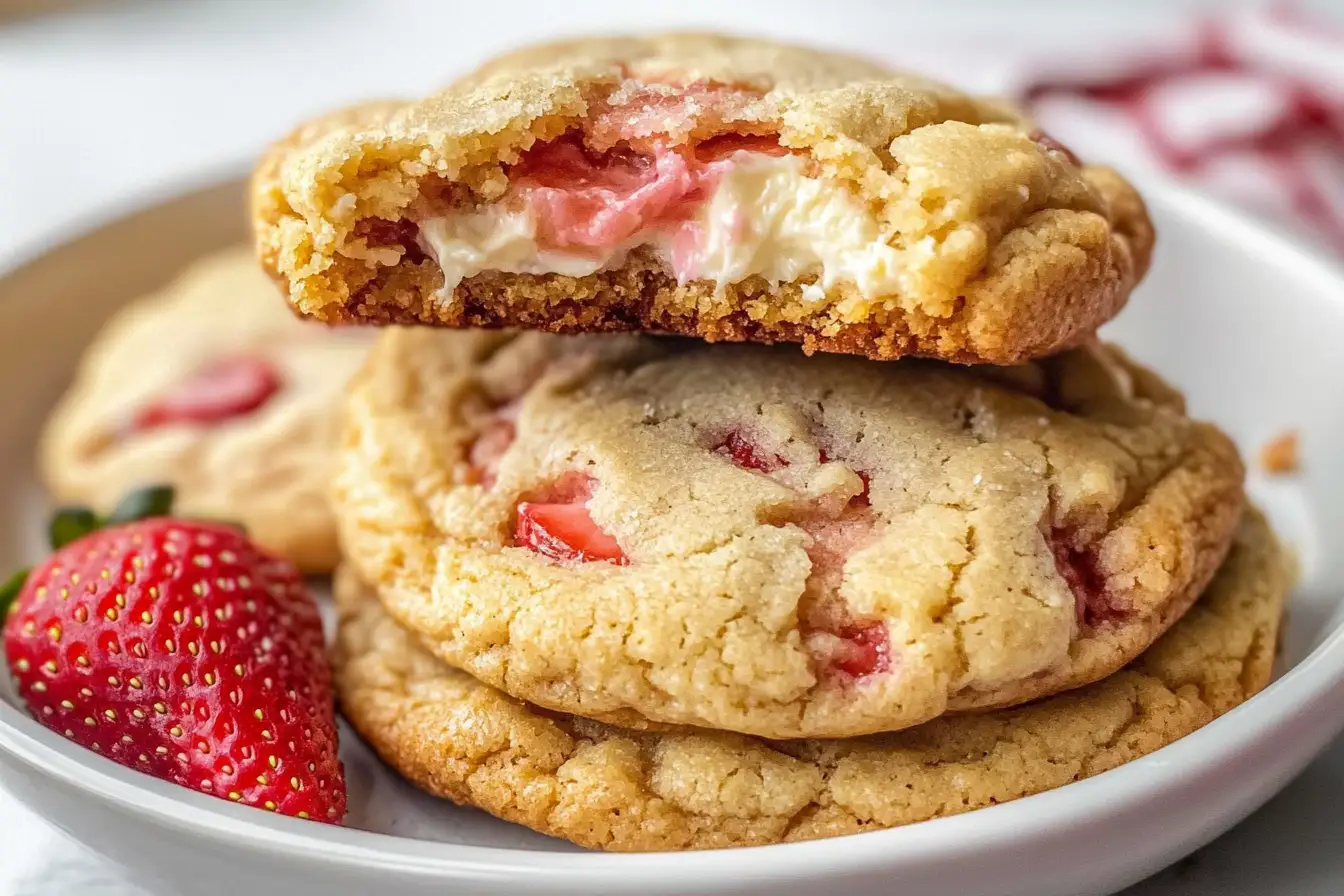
[[642, 296], [608, 788]]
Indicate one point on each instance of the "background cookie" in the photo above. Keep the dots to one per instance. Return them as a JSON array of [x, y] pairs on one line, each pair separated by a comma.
[[213, 386], [607, 788], [737, 537], [724, 188]]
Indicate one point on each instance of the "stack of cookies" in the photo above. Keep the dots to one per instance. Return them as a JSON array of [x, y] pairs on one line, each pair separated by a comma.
[[782, 489]]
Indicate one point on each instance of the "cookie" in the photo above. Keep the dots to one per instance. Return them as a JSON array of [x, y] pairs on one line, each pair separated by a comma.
[[213, 386], [722, 188], [640, 529], [608, 788]]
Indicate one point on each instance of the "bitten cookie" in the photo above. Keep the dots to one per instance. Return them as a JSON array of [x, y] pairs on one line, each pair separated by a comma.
[[638, 529], [708, 186], [212, 386], [607, 788]]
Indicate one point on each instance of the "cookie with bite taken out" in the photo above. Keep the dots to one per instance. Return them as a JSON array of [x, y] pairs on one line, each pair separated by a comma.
[[734, 190]]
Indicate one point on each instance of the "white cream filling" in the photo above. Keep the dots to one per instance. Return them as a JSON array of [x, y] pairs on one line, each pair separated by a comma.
[[766, 218]]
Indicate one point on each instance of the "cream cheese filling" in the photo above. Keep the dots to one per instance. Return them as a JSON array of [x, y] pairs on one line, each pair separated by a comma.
[[766, 218]]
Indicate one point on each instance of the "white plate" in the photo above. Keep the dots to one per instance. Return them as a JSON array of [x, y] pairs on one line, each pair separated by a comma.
[[1247, 324]]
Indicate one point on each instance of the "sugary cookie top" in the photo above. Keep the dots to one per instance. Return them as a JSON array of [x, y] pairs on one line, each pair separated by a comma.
[[609, 788], [214, 386], [743, 538]]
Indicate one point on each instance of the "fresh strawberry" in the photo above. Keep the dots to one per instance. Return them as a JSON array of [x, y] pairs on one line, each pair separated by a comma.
[[559, 526], [178, 648], [230, 388]]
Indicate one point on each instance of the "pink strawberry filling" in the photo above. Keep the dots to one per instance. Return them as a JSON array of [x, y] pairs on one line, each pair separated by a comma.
[[557, 525], [1094, 605], [638, 171], [229, 388], [585, 200], [724, 145]]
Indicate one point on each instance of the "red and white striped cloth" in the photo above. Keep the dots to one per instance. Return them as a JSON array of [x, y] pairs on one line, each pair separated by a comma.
[[1249, 106]]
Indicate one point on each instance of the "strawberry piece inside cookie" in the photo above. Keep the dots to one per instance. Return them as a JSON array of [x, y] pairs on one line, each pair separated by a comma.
[[494, 438], [727, 207], [845, 649], [233, 387], [584, 201], [736, 446], [1095, 605], [863, 650], [557, 525]]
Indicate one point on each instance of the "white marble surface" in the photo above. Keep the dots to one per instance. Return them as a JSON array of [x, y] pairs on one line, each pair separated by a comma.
[[106, 109]]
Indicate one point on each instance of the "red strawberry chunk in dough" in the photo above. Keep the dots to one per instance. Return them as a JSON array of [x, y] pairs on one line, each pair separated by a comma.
[[489, 447], [735, 445], [850, 650], [1093, 604], [560, 527], [495, 437], [631, 169], [179, 649], [866, 650], [233, 387]]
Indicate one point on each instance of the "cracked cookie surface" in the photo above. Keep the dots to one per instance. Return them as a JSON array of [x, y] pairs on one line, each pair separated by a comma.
[[729, 189], [211, 385], [644, 530], [608, 788]]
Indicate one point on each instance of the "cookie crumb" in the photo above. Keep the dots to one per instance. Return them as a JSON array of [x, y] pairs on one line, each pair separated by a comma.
[[1279, 456]]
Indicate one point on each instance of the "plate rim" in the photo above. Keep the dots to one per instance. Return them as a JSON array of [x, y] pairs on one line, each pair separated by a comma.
[[1302, 689]]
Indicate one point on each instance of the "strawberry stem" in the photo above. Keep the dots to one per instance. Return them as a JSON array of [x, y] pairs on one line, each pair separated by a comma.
[[154, 500], [10, 590], [70, 524]]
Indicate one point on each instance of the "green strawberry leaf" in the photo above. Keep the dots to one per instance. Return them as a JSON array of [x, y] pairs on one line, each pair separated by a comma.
[[10, 590], [156, 500], [70, 524]]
